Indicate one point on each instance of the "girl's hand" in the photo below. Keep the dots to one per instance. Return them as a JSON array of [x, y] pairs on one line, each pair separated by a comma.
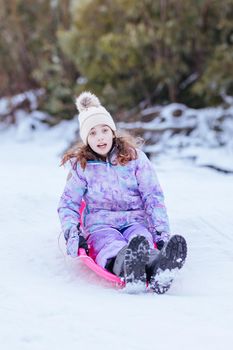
[[161, 238], [72, 244], [74, 241], [160, 244]]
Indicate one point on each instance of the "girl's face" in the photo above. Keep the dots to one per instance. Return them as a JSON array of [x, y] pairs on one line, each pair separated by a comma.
[[100, 139]]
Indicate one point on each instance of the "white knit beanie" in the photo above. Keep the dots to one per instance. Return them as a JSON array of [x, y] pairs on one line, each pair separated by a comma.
[[91, 113]]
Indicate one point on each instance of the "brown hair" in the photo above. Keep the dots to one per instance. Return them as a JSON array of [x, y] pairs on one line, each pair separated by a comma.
[[125, 145]]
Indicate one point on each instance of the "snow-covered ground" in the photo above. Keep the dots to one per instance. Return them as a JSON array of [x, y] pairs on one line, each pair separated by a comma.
[[50, 301]]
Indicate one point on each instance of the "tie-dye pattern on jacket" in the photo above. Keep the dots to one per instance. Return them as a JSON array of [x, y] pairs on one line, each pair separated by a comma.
[[115, 196]]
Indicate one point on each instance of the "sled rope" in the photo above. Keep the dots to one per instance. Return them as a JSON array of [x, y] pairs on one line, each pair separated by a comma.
[[59, 246]]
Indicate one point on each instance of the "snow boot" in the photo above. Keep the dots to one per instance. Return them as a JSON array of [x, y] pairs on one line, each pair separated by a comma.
[[162, 271], [136, 258]]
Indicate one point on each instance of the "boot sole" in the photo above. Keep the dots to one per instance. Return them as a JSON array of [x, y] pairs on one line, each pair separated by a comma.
[[172, 258], [136, 258]]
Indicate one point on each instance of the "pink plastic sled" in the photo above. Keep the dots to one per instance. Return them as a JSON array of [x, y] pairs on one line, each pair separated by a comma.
[[89, 262]]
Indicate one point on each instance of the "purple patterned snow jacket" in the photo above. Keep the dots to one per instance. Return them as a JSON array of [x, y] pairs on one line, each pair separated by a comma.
[[115, 196]]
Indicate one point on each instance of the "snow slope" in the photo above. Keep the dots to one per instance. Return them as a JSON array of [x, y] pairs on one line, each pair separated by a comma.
[[50, 301]]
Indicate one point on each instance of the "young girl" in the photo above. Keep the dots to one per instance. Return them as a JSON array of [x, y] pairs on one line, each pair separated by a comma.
[[124, 216]]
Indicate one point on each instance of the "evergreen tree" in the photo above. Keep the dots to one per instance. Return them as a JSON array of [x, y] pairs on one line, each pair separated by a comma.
[[132, 51], [30, 54], [128, 52]]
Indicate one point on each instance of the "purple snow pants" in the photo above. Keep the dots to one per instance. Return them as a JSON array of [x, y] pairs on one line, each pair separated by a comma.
[[107, 242]]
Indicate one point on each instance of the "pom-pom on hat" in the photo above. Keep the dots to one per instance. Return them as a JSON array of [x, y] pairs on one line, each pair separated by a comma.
[[91, 113]]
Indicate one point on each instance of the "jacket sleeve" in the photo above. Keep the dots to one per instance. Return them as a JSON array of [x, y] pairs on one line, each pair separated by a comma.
[[70, 202], [153, 198]]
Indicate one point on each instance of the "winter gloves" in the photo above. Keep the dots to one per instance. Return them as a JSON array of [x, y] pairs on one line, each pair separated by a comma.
[[160, 238], [74, 241], [160, 244]]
